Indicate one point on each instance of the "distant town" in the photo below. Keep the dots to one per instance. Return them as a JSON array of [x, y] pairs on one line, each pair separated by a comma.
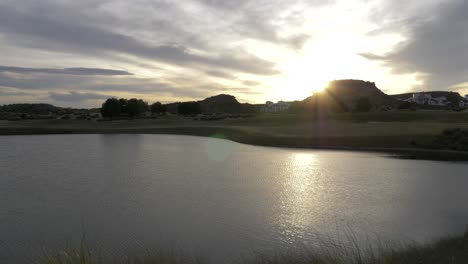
[[428, 99]]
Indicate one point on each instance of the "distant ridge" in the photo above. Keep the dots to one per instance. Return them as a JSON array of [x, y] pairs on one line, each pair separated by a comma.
[[42, 109], [218, 104]]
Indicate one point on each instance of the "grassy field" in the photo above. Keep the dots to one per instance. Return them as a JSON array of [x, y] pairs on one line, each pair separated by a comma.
[[402, 131], [451, 250]]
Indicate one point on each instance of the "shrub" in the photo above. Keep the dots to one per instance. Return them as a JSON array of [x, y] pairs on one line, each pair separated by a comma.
[[363, 104]]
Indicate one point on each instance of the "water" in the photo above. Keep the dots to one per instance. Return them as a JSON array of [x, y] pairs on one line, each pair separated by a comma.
[[213, 197]]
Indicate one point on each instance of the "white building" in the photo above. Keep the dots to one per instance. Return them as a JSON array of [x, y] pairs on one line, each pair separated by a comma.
[[463, 103], [442, 100], [271, 107], [421, 98], [427, 99]]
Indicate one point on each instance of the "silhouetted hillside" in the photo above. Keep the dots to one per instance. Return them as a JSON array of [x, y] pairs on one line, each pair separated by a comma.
[[348, 92], [40, 109], [43, 111], [222, 103], [347, 95]]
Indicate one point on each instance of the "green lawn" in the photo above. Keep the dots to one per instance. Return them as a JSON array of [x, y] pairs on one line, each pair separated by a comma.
[[389, 130]]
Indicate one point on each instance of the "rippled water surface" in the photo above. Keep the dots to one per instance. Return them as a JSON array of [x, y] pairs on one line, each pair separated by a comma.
[[125, 193]]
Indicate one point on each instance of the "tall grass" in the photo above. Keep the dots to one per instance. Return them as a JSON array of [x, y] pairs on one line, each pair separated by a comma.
[[85, 255], [82, 255], [450, 250]]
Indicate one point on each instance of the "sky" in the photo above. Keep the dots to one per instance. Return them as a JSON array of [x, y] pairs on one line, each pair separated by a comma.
[[78, 53]]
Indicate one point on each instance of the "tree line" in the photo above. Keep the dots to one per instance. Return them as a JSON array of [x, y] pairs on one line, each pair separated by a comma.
[[114, 107]]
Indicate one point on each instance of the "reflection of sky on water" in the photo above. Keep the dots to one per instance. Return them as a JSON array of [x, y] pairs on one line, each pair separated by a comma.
[[216, 195], [218, 149]]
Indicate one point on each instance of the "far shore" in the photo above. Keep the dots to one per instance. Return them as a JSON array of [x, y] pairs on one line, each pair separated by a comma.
[[402, 134]]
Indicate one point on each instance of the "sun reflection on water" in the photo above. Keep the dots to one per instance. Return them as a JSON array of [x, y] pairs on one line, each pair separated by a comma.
[[299, 193]]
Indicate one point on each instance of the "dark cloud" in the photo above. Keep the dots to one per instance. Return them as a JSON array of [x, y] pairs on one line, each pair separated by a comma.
[[93, 87], [32, 30], [9, 92], [35, 83], [71, 71], [86, 83], [437, 47], [263, 19]]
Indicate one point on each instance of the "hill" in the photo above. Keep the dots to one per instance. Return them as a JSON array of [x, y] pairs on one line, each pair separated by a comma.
[[222, 103], [39, 109], [43, 111], [347, 95], [348, 92]]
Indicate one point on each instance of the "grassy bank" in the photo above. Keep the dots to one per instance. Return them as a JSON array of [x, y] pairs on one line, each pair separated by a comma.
[[407, 133], [451, 250]]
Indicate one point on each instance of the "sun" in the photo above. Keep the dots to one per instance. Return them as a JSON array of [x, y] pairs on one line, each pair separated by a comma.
[[311, 71], [297, 83], [333, 57]]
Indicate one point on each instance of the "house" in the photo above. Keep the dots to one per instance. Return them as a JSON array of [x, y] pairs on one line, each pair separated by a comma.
[[463, 103], [271, 107], [441, 101], [421, 98], [427, 99]]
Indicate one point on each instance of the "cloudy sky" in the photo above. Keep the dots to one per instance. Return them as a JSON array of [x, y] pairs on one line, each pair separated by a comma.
[[77, 53]]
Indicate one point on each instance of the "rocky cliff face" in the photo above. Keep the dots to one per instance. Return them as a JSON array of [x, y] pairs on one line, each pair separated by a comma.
[[349, 91], [344, 96], [346, 93]]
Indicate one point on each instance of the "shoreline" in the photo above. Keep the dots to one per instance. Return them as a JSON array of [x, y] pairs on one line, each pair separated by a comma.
[[312, 143], [447, 249]]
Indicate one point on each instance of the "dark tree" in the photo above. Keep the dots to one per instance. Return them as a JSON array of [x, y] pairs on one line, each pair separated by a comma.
[[123, 105], [189, 108], [363, 105], [111, 108], [337, 106], [297, 107], [405, 105], [136, 107], [158, 108]]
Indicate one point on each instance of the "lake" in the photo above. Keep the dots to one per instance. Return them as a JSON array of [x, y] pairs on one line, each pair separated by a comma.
[[213, 197]]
